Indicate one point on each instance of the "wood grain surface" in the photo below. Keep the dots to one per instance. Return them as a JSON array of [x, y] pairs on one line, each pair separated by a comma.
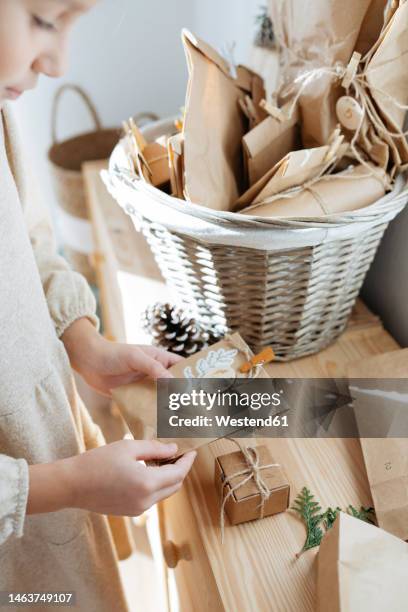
[[256, 569]]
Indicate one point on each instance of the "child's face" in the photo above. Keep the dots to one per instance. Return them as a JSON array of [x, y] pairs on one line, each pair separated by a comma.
[[33, 41]]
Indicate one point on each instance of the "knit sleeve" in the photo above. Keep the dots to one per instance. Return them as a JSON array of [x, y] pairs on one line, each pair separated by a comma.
[[68, 294], [13, 496]]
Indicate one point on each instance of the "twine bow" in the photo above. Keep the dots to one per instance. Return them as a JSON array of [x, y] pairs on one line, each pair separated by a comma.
[[252, 470]]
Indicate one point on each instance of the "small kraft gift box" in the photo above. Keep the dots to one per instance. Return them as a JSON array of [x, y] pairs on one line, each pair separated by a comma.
[[252, 486]]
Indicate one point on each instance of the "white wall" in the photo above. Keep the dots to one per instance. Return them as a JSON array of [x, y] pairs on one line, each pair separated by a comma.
[[228, 21]]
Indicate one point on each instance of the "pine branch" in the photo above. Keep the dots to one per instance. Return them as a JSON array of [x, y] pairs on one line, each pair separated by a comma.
[[364, 514], [329, 517], [310, 512]]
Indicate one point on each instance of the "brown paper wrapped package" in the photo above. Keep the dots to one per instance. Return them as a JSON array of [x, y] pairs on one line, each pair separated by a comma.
[[138, 401], [244, 504], [361, 568], [175, 147], [253, 86], [269, 142], [377, 149], [213, 129], [150, 158], [293, 170], [327, 196], [386, 75], [320, 33], [386, 459], [371, 26]]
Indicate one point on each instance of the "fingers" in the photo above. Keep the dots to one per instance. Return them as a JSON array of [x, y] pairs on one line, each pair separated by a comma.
[[164, 493], [185, 462], [146, 450], [142, 362], [168, 359], [172, 474], [154, 361]]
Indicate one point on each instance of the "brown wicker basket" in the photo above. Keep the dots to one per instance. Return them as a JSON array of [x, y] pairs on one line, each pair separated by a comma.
[[66, 159]]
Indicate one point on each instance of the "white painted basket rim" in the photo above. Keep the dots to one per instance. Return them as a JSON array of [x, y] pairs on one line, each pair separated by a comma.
[[141, 200]]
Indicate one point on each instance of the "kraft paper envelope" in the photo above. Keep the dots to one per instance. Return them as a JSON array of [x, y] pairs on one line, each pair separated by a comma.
[[150, 158], [376, 148], [316, 34], [386, 75], [175, 147], [293, 170], [371, 26], [254, 87], [337, 193], [268, 143], [386, 459], [213, 129], [361, 568]]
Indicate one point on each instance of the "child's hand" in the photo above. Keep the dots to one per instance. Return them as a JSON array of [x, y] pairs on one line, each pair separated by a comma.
[[106, 365], [109, 479]]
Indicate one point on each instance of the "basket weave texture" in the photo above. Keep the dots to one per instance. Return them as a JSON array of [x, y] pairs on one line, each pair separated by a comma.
[[294, 293], [297, 301]]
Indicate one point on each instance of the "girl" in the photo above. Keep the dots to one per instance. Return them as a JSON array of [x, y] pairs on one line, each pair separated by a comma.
[[54, 491]]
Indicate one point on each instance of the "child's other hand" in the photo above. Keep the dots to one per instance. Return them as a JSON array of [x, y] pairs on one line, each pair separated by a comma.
[[106, 365], [109, 480]]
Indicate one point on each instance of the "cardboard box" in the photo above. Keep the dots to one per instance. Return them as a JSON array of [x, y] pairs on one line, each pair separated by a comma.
[[244, 504]]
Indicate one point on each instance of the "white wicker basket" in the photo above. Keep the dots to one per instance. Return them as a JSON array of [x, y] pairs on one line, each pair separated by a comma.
[[290, 284]]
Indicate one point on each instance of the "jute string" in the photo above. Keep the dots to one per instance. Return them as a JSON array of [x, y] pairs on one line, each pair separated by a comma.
[[354, 79], [253, 471], [323, 175]]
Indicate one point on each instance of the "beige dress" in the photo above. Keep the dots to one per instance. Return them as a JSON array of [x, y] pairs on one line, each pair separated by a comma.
[[41, 415]]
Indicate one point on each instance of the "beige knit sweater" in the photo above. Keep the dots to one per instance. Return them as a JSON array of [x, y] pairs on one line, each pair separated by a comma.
[[41, 415]]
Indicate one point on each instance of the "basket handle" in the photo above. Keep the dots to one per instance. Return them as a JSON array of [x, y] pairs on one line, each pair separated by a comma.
[[86, 99]]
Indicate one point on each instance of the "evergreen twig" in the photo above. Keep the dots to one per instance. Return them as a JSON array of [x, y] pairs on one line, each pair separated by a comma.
[[311, 513], [364, 514], [330, 516]]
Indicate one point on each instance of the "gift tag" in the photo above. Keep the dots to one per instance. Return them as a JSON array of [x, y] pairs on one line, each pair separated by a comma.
[[349, 112]]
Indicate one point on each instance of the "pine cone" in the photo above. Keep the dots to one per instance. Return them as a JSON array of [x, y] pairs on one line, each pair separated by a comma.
[[175, 331]]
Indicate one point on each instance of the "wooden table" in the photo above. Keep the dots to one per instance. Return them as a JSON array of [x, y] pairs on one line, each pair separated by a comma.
[[256, 568]]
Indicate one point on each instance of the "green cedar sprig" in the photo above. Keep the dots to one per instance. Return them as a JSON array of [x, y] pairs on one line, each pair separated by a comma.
[[311, 513], [364, 514]]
